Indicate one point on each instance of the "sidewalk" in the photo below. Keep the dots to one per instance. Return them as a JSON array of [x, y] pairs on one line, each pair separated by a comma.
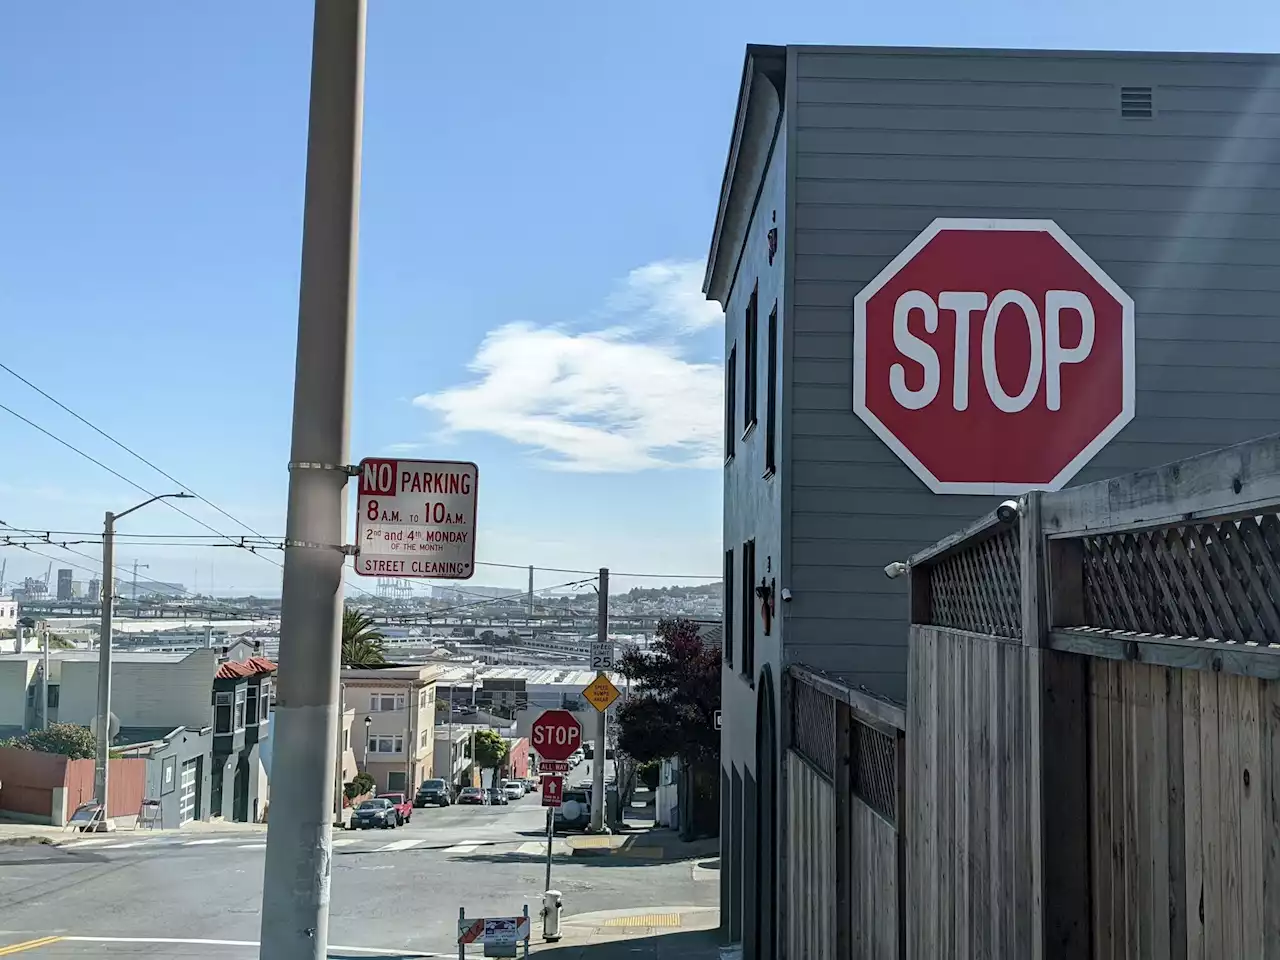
[[659, 933], [658, 843], [11, 833]]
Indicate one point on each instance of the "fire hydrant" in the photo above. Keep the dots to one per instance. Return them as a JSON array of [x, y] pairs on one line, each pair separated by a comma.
[[551, 907]]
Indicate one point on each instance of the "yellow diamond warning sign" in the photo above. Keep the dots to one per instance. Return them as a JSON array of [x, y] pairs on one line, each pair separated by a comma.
[[601, 692]]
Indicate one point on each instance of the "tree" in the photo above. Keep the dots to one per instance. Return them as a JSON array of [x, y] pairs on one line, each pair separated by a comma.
[[362, 641], [491, 750], [671, 714], [67, 739], [360, 784]]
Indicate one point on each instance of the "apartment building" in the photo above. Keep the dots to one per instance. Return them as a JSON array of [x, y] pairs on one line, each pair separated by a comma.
[[395, 707]]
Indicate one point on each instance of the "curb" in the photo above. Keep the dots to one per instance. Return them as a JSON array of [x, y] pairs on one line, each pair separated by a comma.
[[697, 850]]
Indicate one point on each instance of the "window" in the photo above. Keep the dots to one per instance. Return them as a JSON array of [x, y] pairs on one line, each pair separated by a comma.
[[264, 702], [31, 695], [749, 363], [386, 744], [222, 712], [54, 690], [771, 398], [728, 606], [730, 401], [346, 739], [425, 734], [422, 699], [749, 610], [241, 695], [251, 705], [386, 702]]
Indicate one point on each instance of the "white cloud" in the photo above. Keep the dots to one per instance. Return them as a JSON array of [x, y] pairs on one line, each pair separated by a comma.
[[603, 401], [669, 292]]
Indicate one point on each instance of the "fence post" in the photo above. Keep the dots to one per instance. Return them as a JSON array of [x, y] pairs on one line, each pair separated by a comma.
[[844, 836], [1057, 688]]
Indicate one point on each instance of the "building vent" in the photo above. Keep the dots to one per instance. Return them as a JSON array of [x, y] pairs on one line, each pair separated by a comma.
[[1136, 103]]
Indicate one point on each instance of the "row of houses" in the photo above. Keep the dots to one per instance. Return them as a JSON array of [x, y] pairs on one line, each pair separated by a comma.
[[201, 722]]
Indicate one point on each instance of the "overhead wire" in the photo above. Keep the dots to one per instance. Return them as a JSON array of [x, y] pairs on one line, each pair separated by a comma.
[[135, 484]]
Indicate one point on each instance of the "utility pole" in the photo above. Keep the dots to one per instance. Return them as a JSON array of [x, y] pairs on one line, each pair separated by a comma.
[[44, 710], [296, 882], [597, 755], [339, 755], [530, 593], [101, 775]]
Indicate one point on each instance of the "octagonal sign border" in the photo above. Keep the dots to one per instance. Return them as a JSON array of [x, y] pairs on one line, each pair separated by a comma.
[[1069, 247]]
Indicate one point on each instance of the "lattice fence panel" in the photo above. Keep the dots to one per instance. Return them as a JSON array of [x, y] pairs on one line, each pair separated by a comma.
[[1210, 580], [813, 725], [874, 770], [980, 588]]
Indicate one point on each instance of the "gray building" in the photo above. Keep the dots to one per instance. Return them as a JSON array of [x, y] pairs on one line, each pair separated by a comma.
[[1161, 167], [64, 585]]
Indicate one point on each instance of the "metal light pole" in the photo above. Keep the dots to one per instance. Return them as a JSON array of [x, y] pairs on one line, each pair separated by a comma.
[[101, 776], [297, 877]]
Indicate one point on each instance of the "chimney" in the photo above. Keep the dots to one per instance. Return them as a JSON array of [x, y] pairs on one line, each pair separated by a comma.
[[257, 647], [225, 652], [208, 636]]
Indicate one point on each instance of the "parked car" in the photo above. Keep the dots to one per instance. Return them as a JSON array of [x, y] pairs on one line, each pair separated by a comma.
[[475, 796], [514, 789], [404, 809], [433, 793], [498, 796], [380, 813]]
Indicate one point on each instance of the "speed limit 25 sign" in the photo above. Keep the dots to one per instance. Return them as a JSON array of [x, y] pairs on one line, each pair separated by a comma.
[[994, 356]]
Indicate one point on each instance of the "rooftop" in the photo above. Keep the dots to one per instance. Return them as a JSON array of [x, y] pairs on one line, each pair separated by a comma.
[[532, 676]]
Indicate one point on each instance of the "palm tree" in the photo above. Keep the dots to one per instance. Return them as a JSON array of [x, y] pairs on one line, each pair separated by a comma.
[[361, 640]]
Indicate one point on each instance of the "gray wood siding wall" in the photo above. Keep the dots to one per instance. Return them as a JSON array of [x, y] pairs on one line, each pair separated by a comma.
[[969, 890], [810, 930], [1181, 210], [1185, 830]]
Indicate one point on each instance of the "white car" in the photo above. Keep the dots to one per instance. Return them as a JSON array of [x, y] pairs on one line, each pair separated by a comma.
[[514, 789]]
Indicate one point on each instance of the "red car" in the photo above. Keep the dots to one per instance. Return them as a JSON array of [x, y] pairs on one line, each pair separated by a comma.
[[404, 807]]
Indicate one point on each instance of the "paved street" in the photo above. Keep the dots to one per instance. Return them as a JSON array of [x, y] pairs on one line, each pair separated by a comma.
[[396, 891]]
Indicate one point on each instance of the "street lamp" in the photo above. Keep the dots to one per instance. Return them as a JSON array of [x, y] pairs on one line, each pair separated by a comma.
[[368, 721], [100, 773]]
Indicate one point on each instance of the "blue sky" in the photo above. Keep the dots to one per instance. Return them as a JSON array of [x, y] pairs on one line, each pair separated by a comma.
[[539, 189]]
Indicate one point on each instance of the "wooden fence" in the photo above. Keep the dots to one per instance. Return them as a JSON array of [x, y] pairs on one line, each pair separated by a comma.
[[845, 856], [1093, 721]]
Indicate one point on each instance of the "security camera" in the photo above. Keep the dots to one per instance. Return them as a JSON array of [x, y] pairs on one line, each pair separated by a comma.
[[1008, 511], [786, 595], [896, 569]]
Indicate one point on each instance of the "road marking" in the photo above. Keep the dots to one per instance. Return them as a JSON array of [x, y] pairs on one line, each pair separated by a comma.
[[252, 846], [201, 843], [345, 841], [96, 841], [533, 847], [401, 845], [23, 947], [372, 951], [463, 848]]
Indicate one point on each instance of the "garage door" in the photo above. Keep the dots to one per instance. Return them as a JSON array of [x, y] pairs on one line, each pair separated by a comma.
[[187, 798]]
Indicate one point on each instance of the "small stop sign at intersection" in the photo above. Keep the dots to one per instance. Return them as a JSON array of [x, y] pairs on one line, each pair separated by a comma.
[[994, 356], [555, 735]]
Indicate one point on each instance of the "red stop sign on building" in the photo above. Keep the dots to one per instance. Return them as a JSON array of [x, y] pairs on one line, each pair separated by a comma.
[[555, 735], [994, 356]]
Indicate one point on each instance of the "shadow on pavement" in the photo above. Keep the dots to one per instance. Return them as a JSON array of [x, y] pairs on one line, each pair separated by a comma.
[[560, 859], [690, 945]]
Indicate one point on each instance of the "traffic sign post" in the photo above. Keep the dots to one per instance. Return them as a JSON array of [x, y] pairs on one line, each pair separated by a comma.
[[601, 693], [417, 519], [994, 356], [555, 735]]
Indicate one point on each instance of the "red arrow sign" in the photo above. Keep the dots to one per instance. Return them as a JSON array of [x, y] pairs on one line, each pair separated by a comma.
[[552, 790]]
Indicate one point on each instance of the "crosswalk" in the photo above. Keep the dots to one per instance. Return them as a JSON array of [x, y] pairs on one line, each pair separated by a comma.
[[504, 845]]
